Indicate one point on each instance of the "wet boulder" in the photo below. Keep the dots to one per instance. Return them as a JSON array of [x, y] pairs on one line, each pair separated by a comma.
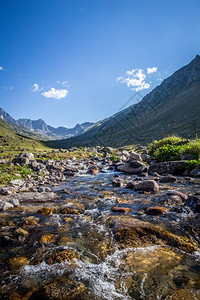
[[170, 200], [133, 167], [193, 202], [61, 289], [93, 170], [131, 232], [183, 196], [147, 186], [118, 182], [156, 210], [168, 179], [130, 185]]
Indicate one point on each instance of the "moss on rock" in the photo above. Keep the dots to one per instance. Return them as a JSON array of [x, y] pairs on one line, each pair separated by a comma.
[[131, 232]]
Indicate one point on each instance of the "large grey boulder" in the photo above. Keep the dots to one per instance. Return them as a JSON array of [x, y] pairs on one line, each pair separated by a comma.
[[133, 167], [6, 206], [195, 172], [7, 190], [193, 202], [135, 156], [170, 167], [24, 158], [147, 186], [16, 183]]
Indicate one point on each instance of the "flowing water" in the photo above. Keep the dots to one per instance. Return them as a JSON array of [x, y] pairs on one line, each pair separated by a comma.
[[105, 269]]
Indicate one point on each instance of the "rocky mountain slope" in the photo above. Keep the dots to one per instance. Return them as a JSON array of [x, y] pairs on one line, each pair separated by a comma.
[[173, 107], [40, 127]]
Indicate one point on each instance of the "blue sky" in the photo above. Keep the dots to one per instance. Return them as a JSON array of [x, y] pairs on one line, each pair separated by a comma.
[[69, 61]]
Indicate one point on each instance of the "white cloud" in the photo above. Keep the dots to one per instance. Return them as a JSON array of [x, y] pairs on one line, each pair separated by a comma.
[[152, 70], [65, 83], [1, 68], [135, 79], [7, 88], [57, 94], [35, 87]]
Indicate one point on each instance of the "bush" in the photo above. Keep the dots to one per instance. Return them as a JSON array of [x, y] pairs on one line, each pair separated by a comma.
[[168, 152], [170, 140], [170, 149], [192, 164], [192, 147], [114, 157]]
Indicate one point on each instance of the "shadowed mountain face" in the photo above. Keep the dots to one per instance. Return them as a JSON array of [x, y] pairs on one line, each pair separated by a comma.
[[40, 127], [171, 108]]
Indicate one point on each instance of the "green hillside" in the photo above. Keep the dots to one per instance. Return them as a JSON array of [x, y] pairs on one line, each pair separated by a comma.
[[14, 139]]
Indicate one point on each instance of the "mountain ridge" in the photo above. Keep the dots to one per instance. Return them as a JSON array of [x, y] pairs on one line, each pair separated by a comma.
[[39, 126], [161, 112]]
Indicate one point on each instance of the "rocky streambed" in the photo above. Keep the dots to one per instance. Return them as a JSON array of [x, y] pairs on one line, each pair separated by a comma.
[[101, 234]]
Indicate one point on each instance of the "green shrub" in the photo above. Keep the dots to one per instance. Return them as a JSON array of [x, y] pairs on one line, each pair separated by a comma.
[[193, 148], [192, 164], [168, 148], [170, 140], [168, 152], [114, 157]]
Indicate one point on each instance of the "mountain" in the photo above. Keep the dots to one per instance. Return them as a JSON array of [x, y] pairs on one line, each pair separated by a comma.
[[173, 107], [41, 128], [6, 117]]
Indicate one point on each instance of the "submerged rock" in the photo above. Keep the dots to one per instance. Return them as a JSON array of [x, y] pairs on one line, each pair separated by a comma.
[[18, 262], [131, 232], [156, 210], [61, 289], [48, 238], [121, 209], [61, 256], [45, 211]]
